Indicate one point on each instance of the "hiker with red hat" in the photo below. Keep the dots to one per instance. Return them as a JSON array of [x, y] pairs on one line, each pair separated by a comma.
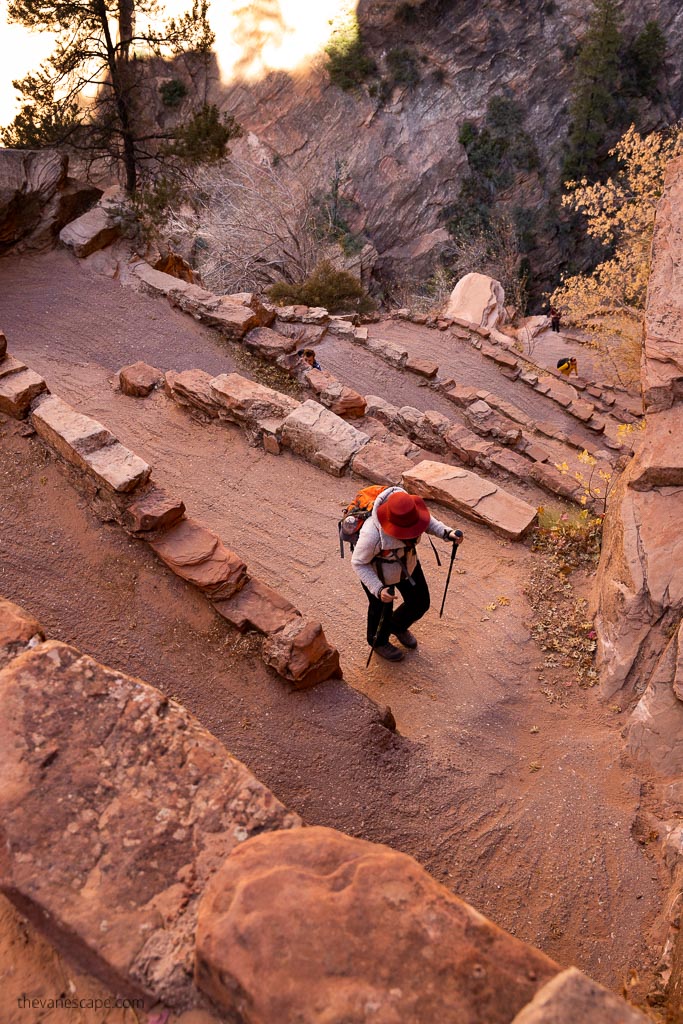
[[385, 559]]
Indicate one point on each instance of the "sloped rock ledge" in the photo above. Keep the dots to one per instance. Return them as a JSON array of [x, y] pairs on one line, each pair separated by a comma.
[[154, 860]]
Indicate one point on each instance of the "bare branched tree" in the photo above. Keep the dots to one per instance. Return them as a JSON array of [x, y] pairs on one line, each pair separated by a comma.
[[246, 227]]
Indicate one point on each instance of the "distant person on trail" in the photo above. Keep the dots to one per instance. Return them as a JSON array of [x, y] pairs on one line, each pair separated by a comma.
[[567, 365], [555, 317], [385, 558], [308, 357]]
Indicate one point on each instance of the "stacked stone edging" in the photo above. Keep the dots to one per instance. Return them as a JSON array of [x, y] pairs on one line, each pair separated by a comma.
[[153, 859], [317, 434], [118, 481]]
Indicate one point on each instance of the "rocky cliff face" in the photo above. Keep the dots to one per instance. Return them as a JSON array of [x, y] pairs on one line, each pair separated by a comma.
[[640, 583], [402, 151]]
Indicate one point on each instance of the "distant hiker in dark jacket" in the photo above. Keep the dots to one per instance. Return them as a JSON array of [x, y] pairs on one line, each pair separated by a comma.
[[555, 317], [567, 365], [385, 557]]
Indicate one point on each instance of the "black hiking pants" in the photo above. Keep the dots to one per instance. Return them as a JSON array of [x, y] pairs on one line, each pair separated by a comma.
[[415, 604]]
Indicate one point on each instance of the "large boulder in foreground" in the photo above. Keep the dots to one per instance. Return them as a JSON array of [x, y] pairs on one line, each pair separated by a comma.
[[478, 299], [116, 807], [346, 930], [472, 496]]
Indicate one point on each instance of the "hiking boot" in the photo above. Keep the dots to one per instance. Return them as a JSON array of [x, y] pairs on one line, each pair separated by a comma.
[[389, 652], [407, 639]]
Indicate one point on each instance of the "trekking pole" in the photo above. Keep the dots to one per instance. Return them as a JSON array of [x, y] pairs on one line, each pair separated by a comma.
[[458, 538], [379, 626]]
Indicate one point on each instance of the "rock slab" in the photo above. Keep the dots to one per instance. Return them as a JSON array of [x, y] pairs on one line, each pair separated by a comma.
[[139, 379], [17, 627], [477, 299], [92, 231], [198, 556], [322, 437], [18, 390], [571, 997], [88, 445], [300, 653], [116, 807], [347, 930], [471, 496]]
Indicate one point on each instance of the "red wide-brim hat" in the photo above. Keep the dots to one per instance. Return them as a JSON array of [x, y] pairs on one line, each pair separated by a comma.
[[403, 515]]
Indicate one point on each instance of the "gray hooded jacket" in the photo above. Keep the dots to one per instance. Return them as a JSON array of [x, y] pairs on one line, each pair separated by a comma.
[[373, 542]]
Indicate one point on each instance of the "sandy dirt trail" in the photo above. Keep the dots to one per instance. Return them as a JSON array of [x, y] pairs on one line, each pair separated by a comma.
[[547, 854]]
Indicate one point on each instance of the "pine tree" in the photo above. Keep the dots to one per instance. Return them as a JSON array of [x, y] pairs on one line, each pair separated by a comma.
[[595, 107], [92, 93]]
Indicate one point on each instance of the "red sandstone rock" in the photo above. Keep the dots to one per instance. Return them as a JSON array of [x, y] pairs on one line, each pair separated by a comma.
[[382, 463], [422, 367], [156, 510], [322, 437], [17, 627], [139, 379], [192, 388], [462, 395], [343, 401], [116, 806], [198, 556], [91, 231], [659, 459], [249, 403], [550, 479], [471, 496], [345, 930], [257, 606], [467, 446], [18, 390], [8, 364], [3, 345], [268, 343], [573, 998], [300, 653], [512, 463]]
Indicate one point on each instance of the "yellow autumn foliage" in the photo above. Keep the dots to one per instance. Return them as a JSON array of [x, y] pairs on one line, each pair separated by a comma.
[[620, 214]]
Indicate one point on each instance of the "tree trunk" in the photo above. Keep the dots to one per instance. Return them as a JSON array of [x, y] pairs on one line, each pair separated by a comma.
[[120, 97]]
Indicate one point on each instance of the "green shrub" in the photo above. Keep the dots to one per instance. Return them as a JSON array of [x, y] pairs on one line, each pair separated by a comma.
[[204, 137], [336, 290], [348, 65], [644, 60], [173, 93], [407, 13], [402, 65]]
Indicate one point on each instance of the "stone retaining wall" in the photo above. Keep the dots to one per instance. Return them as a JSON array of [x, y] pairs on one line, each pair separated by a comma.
[[119, 481], [154, 860], [326, 440]]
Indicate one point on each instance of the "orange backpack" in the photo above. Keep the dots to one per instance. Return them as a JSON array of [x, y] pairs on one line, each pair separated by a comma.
[[355, 514]]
